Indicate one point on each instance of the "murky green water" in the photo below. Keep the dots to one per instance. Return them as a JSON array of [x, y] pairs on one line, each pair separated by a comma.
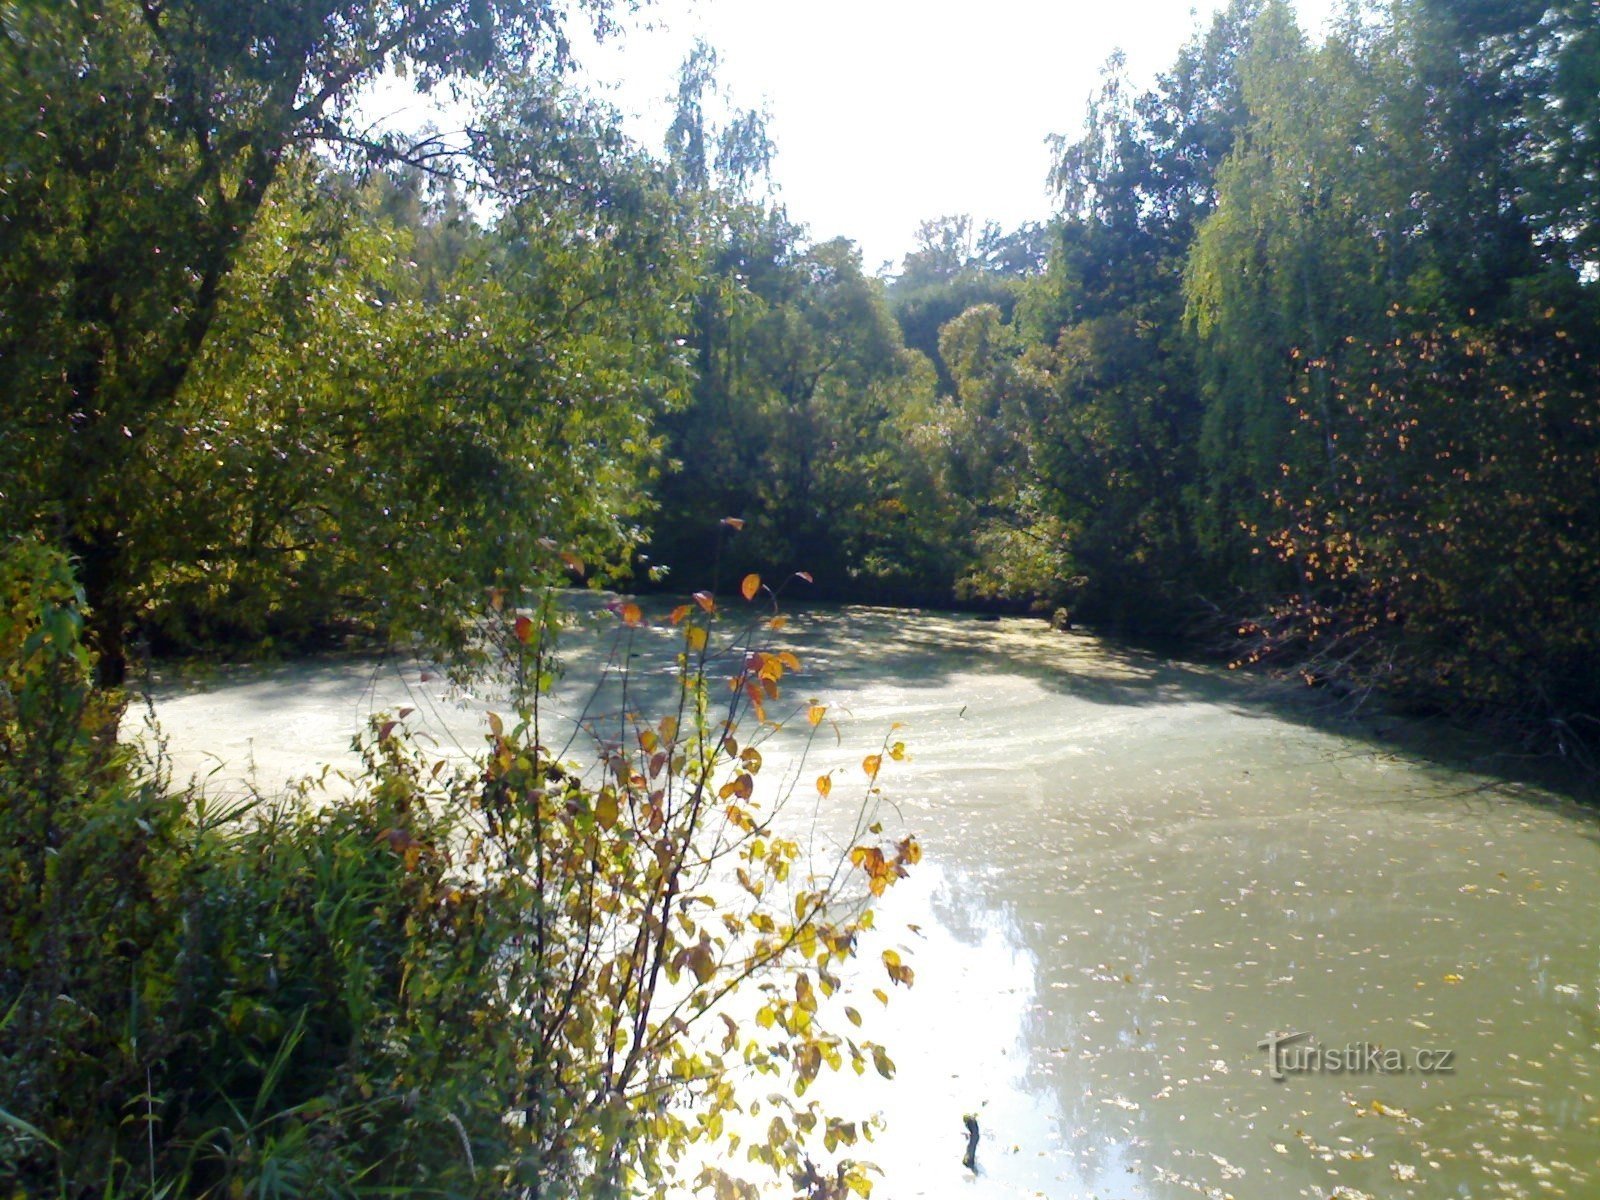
[[1135, 873]]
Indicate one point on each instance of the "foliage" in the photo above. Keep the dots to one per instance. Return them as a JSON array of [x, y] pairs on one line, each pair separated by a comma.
[[802, 383], [508, 975], [146, 141], [1450, 555]]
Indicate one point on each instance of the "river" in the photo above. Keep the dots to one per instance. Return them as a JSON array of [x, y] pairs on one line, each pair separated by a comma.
[[1136, 872]]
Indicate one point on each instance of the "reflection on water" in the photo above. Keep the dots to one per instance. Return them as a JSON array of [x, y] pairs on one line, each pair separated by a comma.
[[1135, 872]]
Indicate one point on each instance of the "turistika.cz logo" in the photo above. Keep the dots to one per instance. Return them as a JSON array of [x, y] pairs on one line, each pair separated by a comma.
[[1294, 1054]]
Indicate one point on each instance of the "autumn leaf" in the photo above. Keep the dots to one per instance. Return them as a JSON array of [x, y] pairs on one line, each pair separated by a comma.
[[523, 628], [871, 763], [605, 809], [815, 713], [706, 601], [806, 575], [702, 962], [679, 613], [896, 969], [734, 523], [882, 1061], [824, 785], [632, 614], [696, 638], [750, 586]]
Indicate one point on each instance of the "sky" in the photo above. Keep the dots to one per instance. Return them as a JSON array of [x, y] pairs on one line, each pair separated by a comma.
[[887, 113]]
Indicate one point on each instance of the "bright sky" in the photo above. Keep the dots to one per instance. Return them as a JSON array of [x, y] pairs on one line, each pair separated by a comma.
[[890, 112], [887, 113]]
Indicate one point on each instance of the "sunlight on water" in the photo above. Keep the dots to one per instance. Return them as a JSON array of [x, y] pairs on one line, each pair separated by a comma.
[[1136, 872]]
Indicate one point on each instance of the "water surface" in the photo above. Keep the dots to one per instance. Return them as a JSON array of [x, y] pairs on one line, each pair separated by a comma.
[[1135, 872]]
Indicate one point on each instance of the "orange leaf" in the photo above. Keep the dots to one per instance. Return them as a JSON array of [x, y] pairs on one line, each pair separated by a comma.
[[705, 600], [631, 614], [806, 575], [750, 586], [789, 660], [679, 613], [871, 763], [524, 630], [777, 623], [824, 785], [573, 562], [733, 523]]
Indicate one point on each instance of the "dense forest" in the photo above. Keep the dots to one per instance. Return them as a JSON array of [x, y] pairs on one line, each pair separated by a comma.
[[1303, 359], [1301, 366]]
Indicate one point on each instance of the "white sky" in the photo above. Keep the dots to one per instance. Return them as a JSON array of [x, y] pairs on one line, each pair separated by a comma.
[[890, 112]]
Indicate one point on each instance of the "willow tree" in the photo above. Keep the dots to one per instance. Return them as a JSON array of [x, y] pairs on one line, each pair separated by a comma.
[[146, 137]]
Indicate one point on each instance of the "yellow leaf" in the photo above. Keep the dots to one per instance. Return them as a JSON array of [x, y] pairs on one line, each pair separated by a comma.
[[815, 713], [702, 962], [750, 586], [871, 763], [605, 809], [789, 660], [696, 637], [824, 785]]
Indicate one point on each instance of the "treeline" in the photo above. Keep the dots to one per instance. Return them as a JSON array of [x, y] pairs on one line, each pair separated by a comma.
[[1305, 364], [1302, 363]]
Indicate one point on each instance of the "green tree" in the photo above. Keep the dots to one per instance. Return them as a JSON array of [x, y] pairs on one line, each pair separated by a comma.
[[146, 141]]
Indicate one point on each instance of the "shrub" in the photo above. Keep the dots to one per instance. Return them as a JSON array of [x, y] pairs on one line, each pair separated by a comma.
[[497, 976]]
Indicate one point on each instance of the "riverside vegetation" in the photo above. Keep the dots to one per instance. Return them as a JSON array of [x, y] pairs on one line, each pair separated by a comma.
[[1303, 363], [485, 978]]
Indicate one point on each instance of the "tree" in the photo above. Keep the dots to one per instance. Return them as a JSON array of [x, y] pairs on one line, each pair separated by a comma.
[[350, 438], [147, 139]]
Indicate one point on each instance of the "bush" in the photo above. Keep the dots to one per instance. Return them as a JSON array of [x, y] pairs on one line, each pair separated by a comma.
[[492, 977]]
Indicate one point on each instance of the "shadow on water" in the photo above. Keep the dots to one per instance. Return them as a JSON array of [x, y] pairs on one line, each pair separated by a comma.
[[920, 651], [924, 649]]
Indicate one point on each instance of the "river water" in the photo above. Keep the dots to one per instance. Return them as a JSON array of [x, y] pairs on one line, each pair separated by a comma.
[[1136, 872]]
